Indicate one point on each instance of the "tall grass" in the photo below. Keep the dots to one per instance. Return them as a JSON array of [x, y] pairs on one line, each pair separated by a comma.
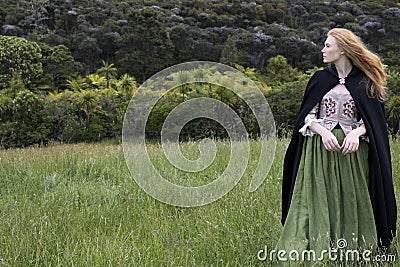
[[77, 205]]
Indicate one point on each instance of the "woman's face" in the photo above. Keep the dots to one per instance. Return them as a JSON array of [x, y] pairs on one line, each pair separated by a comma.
[[331, 51]]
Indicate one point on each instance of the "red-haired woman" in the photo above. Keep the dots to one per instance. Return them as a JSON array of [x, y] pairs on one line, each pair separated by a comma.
[[337, 178]]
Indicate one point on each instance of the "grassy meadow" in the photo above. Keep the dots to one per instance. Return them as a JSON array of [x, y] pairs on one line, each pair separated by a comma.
[[77, 205]]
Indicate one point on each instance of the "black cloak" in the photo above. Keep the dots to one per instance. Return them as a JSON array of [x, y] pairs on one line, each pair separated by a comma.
[[372, 112]]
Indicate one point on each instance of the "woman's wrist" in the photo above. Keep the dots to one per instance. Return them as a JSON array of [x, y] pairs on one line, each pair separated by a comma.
[[318, 128], [359, 131]]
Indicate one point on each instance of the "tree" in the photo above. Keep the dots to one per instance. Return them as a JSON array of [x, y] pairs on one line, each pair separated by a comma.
[[229, 53], [145, 46], [28, 123], [59, 63], [279, 71], [107, 70], [96, 80], [88, 52], [39, 16], [391, 19], [393, 81], [127, 84], [62, 108], [19, 56], [285, 104], [183, 78], [394, 113], [16, 84], [6, 103], [248, 71], [77, 84], [88, 103]]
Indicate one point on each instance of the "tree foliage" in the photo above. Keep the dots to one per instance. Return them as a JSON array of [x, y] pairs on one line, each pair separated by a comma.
[[143, 37], [27, 121], [58, 66], [19, 57], [69, 68]]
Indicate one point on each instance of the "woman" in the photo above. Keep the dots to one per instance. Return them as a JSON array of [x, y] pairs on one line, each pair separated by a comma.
[[337, 177]]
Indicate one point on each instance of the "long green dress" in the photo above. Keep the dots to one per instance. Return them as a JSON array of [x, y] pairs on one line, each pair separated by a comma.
[[330, 206]]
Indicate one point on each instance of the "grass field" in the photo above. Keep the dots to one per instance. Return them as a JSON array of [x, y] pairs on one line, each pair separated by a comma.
[[77, 205]]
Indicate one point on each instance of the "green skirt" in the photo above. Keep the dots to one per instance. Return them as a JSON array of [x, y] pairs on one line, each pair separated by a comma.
[[330, 206]]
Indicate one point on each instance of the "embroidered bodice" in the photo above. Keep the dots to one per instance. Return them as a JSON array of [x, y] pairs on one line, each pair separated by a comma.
[[334, 108]]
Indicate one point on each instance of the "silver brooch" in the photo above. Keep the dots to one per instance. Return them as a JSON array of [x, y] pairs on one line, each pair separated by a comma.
[[342, 80]]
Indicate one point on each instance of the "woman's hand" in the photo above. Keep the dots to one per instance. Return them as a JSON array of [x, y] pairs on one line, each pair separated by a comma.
[[350, 143], [352, 140], [328, 139], [330, 142]]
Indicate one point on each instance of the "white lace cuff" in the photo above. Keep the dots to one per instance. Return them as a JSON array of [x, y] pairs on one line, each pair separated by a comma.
[[363, 137], [359, 123], [305, 130]]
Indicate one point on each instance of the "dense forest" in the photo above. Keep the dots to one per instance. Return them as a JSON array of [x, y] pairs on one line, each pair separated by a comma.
[[69, 67]]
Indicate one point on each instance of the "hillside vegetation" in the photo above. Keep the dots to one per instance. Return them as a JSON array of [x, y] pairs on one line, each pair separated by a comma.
[[79, 62], [143, 36]]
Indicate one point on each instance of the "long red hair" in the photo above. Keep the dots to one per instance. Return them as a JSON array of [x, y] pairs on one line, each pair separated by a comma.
[[364, 59]]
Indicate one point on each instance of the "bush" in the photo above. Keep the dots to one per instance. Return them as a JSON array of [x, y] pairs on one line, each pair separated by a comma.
[[27, 122]]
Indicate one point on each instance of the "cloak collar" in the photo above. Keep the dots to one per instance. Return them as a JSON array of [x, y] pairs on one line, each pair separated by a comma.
[[332, 70]]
